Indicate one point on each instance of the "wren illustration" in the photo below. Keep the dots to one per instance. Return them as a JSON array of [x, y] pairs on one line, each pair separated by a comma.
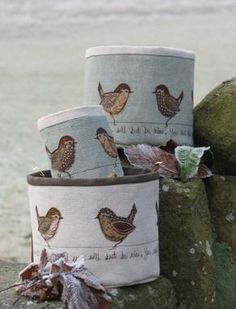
[[167, 105], [63, 157], [107, 143], [116, 228], [114, 102], [48, 225]]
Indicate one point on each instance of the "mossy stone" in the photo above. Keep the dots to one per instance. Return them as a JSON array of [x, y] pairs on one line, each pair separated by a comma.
[[221, 191], [186, 242], [225, 276], [215, 126], [158, 294]]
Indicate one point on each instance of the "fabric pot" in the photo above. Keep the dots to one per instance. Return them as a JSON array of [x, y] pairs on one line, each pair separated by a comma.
[[79, 143], [113, 222], [147, 92]]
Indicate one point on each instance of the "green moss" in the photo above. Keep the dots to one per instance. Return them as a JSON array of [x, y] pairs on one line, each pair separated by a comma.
[[225, 276], [185, 242], [215, 126]]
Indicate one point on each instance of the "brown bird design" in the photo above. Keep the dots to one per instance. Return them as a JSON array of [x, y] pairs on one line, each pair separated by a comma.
[[167, 105], [107, 143], [114, 102], [48, 225], [63, 157], [116, 228]]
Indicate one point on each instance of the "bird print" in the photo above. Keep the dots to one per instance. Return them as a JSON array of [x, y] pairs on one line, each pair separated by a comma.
[[114, 102], [107, 143], [116, 228], [167, 105], [63, 157], [48, 225]]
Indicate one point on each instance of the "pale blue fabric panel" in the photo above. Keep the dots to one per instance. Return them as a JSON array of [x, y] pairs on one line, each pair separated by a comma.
[[140, 121], [91, 160]]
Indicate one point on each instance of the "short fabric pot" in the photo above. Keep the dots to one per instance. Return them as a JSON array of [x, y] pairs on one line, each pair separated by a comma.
[[79, 143], [146, 92], [113, 222]]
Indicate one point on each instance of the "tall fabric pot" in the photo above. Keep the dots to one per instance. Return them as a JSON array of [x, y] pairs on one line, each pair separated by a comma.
[[146, 92]]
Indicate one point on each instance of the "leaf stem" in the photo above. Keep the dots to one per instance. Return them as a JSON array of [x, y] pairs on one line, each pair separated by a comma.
[[10, 287]]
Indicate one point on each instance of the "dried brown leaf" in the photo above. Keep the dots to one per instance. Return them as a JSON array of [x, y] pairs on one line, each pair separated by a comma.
[[169, 146], [55, 257], [77, 287], [204, 171], [153, 158], [104, 299], [29, 272], [54, 269], [38, 294], [38, 290], [66, 267], [60, 265], [142, 156], [81, 289], [81, 272], [43, 258], [167, 166], [77, 295]]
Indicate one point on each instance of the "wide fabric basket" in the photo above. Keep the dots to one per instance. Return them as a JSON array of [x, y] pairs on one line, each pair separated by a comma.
[[146, 92], [113, 222]]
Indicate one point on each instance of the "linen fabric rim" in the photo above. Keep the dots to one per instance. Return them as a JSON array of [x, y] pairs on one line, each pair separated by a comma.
[[133, 175], [139, 50], [69, 114]]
